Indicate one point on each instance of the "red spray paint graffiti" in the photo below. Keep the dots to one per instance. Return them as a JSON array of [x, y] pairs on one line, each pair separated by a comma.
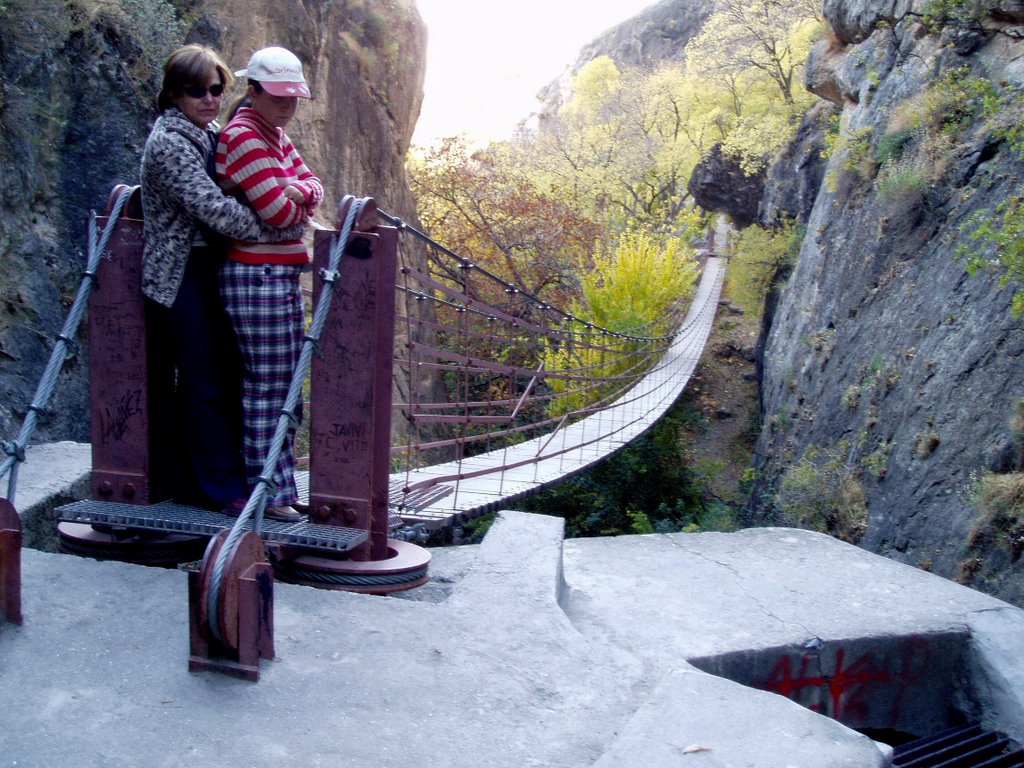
[[832, 695]]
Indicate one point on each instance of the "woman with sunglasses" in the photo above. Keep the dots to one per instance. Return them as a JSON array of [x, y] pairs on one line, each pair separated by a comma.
[[194, 360]]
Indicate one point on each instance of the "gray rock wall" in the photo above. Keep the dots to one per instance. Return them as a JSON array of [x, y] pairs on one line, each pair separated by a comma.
[[883, 351], [77, 85]]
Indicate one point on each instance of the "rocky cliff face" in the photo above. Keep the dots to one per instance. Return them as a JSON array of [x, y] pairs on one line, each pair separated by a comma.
[[365, 64], [886, 366], [891, 378], [77, 84], [657, 35]]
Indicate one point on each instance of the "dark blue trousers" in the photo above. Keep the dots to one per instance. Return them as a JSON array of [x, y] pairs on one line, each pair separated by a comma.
[[195, 385]]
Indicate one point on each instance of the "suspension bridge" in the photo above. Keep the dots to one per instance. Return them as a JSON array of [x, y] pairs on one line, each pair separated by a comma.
[[499, 395]]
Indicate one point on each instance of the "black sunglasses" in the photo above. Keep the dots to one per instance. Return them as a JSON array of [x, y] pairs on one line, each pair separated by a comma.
[[197, 92]]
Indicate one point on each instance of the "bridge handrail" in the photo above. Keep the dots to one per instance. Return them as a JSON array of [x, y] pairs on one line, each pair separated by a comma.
[[469, 264], [453, 472]]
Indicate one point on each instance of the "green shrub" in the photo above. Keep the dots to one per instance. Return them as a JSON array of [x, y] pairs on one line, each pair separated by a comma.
[[474, 530], [925, 444], [999, 498], [876, 462], [645, 488], [892, 145], [822, 492], [1001, 246], [937, 15], [757, 256], [1017, 426], [156, 25], [856, 148], [901, 180], [851, 397], [855, 159]]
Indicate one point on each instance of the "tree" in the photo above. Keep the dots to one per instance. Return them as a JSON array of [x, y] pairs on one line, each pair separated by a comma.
[[483, 206], [624, 146], [764, 35], [620, 296], [755, 53]]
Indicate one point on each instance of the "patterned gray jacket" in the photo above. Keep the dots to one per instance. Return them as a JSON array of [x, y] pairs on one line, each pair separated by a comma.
[[177, 196]]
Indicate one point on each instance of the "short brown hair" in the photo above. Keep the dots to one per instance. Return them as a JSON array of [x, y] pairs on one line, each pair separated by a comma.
[[191, 64]]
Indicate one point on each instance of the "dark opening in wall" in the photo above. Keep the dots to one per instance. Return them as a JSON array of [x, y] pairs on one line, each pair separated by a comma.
[[894, 689]]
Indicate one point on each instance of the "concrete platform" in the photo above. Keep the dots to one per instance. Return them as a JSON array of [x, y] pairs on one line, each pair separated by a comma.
[[526, 650]]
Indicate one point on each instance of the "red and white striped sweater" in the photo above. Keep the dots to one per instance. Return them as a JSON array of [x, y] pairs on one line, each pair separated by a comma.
[[257, 161]]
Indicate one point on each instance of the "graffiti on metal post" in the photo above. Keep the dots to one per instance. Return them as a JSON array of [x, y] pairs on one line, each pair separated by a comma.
[[115, 419]]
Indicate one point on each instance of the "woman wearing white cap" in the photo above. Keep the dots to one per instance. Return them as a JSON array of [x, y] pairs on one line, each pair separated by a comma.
[[257, 162]]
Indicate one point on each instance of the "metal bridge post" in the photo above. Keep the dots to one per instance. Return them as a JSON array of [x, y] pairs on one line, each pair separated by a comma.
[[127, 467], [350, 415], [350, 390], [10, 563], [119, 395]]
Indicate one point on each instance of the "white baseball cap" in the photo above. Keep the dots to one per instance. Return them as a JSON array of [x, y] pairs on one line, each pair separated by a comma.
[[279, 71]]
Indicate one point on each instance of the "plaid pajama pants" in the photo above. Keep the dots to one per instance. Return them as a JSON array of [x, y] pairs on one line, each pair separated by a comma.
[[264, 302]]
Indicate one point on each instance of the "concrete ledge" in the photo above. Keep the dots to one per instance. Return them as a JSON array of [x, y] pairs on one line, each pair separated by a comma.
[[997, 670], [51, 475], [504, 665], [700, 720], [519, 563]]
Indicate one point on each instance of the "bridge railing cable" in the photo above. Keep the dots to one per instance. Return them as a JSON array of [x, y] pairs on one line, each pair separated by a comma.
[[255, 506], [97, 246], [487, 366]]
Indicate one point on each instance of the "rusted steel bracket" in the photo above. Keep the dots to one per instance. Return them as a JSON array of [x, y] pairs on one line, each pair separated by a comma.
[[350, 414], [234, 641], [119, 391], [350, 410], [10, 562]]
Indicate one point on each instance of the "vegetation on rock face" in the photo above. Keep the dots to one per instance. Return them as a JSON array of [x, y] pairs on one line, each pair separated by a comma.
[[757, 257], [1000, 500], [921, 139], [997, 238], [822, 491], [997, 497]]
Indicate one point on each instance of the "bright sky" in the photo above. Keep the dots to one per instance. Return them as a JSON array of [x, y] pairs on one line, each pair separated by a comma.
[[487, 59]]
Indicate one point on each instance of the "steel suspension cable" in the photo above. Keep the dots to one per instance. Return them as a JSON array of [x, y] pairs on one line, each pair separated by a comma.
[[15, 449], [254, 507], [600, 369], [464, 263]]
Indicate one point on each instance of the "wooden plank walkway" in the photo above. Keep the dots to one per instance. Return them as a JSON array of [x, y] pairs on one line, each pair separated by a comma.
[[446, 494]]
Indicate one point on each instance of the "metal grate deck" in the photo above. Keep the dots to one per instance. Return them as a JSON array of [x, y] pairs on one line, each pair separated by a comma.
[[169, 517], [399, 505], [966, 746]]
